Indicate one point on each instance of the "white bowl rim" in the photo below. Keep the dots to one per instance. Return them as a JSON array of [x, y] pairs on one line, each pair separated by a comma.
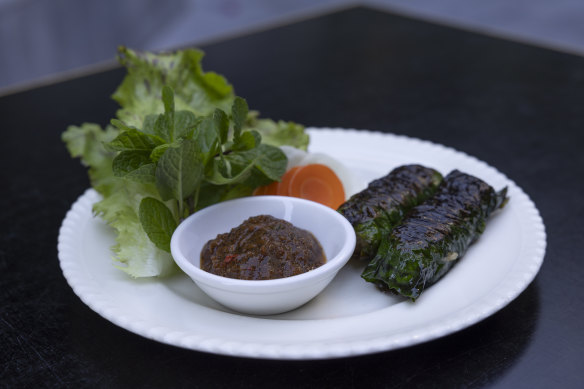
[[328, 269]]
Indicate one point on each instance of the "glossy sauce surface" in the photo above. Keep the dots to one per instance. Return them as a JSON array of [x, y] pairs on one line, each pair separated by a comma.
[[261, 248]]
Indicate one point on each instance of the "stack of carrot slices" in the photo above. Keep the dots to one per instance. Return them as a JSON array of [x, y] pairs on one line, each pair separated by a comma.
[[316, 182]]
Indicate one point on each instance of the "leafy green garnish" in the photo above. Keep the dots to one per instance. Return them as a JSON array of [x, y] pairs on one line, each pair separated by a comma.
[[280, 132], [185, 153], [180, 141], [139, 94], [157, 221]]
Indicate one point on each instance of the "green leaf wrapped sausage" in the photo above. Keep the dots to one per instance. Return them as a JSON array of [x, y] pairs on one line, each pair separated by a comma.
[[420, 250], [374, 211]]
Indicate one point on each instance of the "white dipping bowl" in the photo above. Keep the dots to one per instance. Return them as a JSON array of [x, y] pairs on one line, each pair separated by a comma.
[[263, 297]]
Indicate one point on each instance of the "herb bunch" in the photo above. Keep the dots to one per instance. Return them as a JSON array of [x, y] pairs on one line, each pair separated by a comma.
[[192, 161], [181, 140]]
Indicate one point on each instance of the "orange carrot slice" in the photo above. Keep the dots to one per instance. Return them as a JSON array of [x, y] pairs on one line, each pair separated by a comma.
[[318, 183], [259, 191], [277, 188], [270, 189], [284, 184]]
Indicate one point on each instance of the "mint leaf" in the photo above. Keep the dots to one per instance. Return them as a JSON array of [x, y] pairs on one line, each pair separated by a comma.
[[211, 194], [172, 126], [221, 123], [168, 99], [179, 171], [149, 123], [164, 127], [159, 150], [157, 221], [218, 178], [184, 124], [132, 139], [247, 141], [258, 166], [271, 161], [236, 191], [129, 160], [206, 138], [239, 111], [120, 125], [144, 174]]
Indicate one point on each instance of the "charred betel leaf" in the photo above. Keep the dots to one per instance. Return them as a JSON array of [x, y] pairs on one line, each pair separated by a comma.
[[374, 211], [436, 233]]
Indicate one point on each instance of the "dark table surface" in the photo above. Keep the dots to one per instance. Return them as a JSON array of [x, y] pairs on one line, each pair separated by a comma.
[[517, 107]]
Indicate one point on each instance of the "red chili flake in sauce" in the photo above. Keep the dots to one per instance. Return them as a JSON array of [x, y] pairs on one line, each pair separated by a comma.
[[229, 258]]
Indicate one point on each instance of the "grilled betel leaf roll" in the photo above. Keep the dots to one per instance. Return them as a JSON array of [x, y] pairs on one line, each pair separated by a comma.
[[420, 250], [377, 209]]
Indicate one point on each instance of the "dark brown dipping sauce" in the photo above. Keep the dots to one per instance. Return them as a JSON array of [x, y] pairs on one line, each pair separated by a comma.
[[262, 248]]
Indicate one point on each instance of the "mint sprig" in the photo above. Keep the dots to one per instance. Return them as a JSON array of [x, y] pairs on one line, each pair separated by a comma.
[[180, 153]]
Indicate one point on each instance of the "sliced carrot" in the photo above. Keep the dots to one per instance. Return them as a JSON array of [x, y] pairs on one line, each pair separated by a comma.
[[314, 182], [277, 188], [270, 189], [259, 191], [318, 183], [284, 184]]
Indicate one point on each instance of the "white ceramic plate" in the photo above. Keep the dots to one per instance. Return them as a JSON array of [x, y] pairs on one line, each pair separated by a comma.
[[350, 317]]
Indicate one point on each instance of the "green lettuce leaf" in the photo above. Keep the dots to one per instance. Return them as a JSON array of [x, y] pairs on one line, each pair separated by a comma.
[[140, 93], [133, 252], [278, 133], [86, 142]]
